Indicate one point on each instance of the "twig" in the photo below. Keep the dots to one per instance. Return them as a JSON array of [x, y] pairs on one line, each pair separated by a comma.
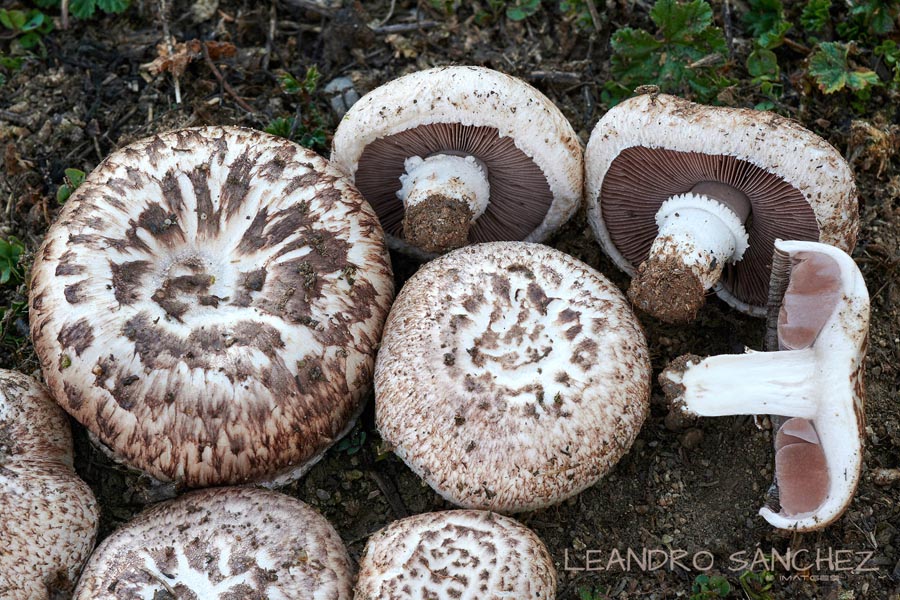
[[555, 77], [389, 15], [270, 37], [164, 17], [729, 27], [14, 118], [796, 46], [65, 14], [595, 16], [313, 6], [212, 66], [391, 495], [404, 27]]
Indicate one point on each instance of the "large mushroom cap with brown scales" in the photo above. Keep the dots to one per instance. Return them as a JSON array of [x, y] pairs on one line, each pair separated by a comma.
[[221, 544], [457, 155], [686, 198], [208, 305], [48, 516]]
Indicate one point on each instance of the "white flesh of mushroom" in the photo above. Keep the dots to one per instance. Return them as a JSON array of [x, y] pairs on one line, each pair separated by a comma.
[[816, 381], [702, 232], [456, 177]]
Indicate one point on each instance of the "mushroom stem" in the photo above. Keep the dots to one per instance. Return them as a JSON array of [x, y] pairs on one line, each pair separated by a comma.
[[699, 232], [755, 383], [443, 195]]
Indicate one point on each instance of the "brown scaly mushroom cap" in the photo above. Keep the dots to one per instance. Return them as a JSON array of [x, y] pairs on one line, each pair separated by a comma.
[[222, 543], [815, 379], [461, 554], [458, 155], [511, 376], [48, 516], [695, 196], [208, 305]]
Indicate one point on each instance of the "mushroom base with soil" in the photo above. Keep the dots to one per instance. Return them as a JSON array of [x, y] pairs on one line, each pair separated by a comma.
[[816, 380]]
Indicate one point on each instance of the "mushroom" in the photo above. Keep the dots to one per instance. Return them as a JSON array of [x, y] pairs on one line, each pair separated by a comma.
[[815, 379], [697, 195], [49, 516], [454, 155], [511, 376], [464, 554], [209, 303], [221, 543]]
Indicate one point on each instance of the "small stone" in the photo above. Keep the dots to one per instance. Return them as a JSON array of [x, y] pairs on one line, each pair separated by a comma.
[[691, 438], [322, 494], [341, 94]]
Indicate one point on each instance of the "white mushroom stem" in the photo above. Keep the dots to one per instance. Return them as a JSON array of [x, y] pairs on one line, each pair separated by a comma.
[[443, 195], [699, 233], [756, 383]]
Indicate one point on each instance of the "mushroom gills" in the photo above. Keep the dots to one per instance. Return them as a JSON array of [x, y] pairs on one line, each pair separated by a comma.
[[443, 195], [812, 294], [699, 232], [801, 471]]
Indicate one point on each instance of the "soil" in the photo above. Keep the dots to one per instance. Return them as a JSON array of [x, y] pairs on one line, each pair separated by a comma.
[[693, 490]]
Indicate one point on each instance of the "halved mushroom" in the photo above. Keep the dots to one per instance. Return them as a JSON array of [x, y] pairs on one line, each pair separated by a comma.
[[222, 543], [48, 516], [209, 303], [511, 376], [815, 379], [464, 554], [697, 195], [457, 155]]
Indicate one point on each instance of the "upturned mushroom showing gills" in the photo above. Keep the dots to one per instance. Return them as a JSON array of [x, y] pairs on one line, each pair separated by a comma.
[[511, 376], [460, 554], [458, 155], [687, 198], [815, 380], [208, 305], [221, 544], [48, 516]]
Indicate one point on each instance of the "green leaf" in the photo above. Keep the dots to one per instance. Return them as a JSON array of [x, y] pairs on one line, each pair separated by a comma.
[[47, 3], [816, 15], [678, 21], [311, 81], [82, 9], [12, 19], [75, 177], [29, 40], [522, 9], [35, 19], [764, 16], [113, 6], [774, 37], [763, 63], [830, 68]]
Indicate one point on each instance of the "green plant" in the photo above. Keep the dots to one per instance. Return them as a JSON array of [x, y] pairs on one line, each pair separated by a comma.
[[352, 443], [306, 127], [519, 10], [586, 593], [85, 9], [28, 27], [767, 23], [11, 250], [816, 15], [682, 57], [74, 178], [830, 67], [757, 586], [580, 11], [889, 52], [706, 587]]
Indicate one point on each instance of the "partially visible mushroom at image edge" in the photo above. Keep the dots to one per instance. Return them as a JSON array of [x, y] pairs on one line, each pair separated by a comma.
[[815, 380], [208, 305], [476, 555], [686, 198], [222, 543], [48, 516], [458, 155], [511, 376]]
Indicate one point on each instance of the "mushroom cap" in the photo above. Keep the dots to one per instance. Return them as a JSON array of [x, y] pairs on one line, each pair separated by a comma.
[[511, 376], [222, 543], [812, 197], [208, 305], [532, 154], [478, 555], [839, 341], [49, 516]]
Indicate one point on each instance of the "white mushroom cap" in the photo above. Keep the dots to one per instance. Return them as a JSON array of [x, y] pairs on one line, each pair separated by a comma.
[[531, 153], [511, 376], [651, 147], [459, 554], [48, 516], [208, 305], [816, 380], [222, 543]]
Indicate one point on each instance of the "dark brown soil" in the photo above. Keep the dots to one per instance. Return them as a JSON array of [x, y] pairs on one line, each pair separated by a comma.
[[693, 490]]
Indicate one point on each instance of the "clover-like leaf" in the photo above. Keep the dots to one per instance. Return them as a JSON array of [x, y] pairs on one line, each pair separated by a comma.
[[830, 67]]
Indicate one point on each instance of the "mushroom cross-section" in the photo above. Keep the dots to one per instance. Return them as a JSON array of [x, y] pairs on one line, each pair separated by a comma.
[[815, 379], [48, 516], [454, 155], [221, 544], [686, 197], [208, 305], [511, 376], [462, 554]]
